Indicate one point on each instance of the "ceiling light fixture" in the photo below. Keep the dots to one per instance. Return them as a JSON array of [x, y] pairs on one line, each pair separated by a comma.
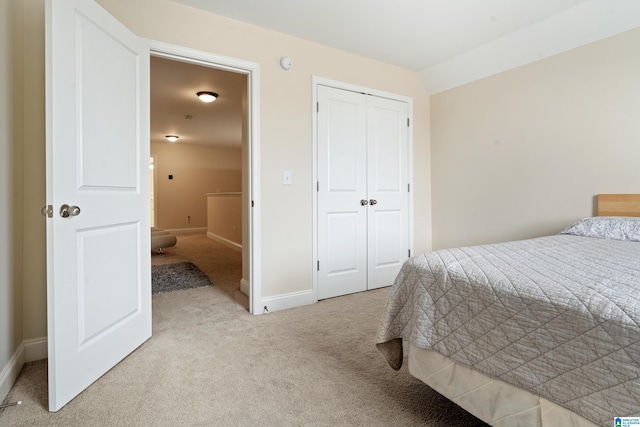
[[172, 138], [207, 96]]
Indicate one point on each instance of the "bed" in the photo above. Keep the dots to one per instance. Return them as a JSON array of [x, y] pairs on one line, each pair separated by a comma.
[[537, 332]]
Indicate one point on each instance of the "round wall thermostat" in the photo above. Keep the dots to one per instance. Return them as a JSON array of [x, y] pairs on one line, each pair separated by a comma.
[[285, 63]]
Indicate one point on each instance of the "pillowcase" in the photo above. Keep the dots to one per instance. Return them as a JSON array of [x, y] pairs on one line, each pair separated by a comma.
[[606, 227]]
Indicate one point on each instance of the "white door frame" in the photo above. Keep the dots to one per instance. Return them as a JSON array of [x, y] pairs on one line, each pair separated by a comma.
[[321, 81], [252, 71], [152, 180]]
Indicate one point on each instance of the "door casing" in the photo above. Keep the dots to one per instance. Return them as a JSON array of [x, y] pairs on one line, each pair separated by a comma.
[[252, 198]]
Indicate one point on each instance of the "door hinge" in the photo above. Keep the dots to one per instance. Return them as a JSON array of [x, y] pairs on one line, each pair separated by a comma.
[[409, 253], [317, 107], [48, 211], [408, 125], [252, 203], [318, 186], [408, 188], [318, 265]]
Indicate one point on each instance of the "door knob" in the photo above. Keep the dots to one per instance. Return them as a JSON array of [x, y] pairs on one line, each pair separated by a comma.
[[373, 202], [67, 211], [364, 202]]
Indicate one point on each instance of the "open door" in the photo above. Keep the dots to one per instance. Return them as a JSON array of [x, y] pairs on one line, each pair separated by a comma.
[[98, 249]]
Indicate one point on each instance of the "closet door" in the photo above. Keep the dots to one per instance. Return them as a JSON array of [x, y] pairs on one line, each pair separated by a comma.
[[387, 190], [342, 190], [363, 217]]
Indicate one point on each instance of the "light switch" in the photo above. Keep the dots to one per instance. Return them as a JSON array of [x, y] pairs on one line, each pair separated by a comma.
[[286, 177]]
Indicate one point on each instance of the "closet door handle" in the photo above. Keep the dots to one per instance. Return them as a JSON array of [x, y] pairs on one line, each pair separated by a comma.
[[364, 202], [373, 202]]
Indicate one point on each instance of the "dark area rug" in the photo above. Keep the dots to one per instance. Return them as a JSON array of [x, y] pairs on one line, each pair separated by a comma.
[[176, 277]]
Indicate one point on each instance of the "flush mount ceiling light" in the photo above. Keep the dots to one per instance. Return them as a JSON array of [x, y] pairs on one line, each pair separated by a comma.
[[172, 138], [207, 96]]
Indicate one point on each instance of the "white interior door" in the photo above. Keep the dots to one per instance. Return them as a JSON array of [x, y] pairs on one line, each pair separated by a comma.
[[363, 199], [387, 189], [98, 256], [342, 175]]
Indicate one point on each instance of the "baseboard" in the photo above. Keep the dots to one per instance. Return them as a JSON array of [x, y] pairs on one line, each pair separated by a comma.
[[28, 351], [36, 349], [244, 287], [291, 300], [10, 371], [229, 243], [197, 230]]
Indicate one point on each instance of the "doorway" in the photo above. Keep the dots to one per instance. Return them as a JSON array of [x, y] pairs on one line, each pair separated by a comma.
[[222, 132], [251, 242], [197, 150]]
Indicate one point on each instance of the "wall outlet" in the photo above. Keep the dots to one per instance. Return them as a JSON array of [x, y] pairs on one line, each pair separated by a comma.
[[188, 219]]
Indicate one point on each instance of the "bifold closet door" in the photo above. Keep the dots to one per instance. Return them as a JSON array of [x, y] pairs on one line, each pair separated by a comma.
[[362, 191]]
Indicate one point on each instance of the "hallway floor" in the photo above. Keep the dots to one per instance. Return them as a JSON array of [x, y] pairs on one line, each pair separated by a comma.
[[220, 263]]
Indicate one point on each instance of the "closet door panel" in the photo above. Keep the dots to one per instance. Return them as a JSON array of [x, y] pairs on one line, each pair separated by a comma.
[[387, 188], [342, 219]]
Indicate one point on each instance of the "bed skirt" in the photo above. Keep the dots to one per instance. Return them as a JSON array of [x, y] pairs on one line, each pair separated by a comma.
[[493, 401]]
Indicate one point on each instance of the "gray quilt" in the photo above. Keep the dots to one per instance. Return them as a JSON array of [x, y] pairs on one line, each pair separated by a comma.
[[558, 316]]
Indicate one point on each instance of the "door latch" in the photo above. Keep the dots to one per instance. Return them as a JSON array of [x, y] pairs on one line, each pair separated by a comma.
[[48, 211]]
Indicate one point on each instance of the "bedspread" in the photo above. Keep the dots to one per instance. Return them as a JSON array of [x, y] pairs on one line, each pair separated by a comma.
[[558, 316]]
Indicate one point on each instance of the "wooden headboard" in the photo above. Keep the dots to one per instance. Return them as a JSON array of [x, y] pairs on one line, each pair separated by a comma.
[[618, 204]]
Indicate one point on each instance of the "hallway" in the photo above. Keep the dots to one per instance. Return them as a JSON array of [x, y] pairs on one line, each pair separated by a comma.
[[221, 264]]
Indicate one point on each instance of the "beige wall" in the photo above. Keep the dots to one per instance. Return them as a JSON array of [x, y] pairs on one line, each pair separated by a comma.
[[22, 177], [34, 190], [523, 153], [286, 121], [196, 170], [224, 217], [11, 35]]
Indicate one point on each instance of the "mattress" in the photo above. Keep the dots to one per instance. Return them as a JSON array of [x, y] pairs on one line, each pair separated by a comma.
[[557, 317]]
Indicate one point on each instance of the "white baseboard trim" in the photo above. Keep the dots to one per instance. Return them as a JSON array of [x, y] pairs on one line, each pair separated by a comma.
[[28, 351], [291, 300], [36, 349], [233, 245], [244, 286], [10, 371], [197, 230]]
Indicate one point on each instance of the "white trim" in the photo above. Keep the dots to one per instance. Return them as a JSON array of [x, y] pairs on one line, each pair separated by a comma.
[[585, 23], [11, 371], [198, 230], [291, 300], [35, 349], [228, 243], [244, 286], [28, 351], [252, 71], [321, 81]]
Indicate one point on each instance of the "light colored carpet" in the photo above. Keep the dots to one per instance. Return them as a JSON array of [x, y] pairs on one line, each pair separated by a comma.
[[210, 363]]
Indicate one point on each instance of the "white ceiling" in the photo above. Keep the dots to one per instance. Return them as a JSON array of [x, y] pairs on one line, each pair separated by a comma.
[[450, 42], [414, 34]]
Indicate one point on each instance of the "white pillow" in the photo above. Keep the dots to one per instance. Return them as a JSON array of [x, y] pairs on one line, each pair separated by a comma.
[[606, 227]]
